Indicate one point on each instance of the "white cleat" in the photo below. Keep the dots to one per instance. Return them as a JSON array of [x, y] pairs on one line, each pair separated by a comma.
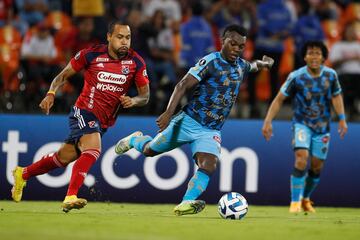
[[123, 145]]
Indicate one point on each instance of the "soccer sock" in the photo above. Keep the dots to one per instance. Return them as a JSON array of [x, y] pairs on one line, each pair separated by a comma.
[[311, 182], [297, 180], [44, 165], [139, 142], [80, 169], [197, 185]]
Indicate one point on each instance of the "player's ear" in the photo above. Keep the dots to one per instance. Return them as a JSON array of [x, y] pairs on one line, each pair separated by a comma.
[[108, 36]]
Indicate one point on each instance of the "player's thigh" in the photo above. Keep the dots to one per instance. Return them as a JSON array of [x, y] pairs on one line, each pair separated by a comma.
[[320, 145], [172, 137], [301, 137], [90, 141], [208, 141], [67, 153]]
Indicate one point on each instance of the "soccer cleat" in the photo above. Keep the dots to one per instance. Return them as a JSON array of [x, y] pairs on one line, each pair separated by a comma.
[[73, 202], [123, 145], [306, 205], [19, 184], [189, 207], [295, 207]]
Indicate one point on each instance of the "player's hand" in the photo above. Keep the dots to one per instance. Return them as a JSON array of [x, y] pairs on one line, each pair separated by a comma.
[[268, 60], [343, 128], [126, 101], [163, 121], [267, 130], [47, 103]]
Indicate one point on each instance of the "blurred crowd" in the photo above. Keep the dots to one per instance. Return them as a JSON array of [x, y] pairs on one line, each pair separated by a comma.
[[38, 38]]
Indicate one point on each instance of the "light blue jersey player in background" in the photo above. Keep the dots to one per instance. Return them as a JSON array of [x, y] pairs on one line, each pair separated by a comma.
[[216, 78], [313, 88]]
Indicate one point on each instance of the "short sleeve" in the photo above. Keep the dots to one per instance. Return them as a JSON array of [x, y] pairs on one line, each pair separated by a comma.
[[335, 86], [288, 88], [78, 62], [202, 69], [141, 77]]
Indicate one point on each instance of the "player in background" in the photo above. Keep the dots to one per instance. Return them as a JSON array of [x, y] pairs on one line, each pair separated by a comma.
[[109, 71], [216, 78], [313, 87]]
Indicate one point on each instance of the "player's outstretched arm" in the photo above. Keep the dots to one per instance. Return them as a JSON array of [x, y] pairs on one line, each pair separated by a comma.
[[272, 112], [338, 104], [58, 81], [138, 101], [187, 83]]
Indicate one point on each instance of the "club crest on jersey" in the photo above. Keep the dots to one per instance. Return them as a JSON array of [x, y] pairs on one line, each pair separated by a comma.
[[144, 73], [202, 62], [92, 124], [325, 139], [125, 69], [217, 138]]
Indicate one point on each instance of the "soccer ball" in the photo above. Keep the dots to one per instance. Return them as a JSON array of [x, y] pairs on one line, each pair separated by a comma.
[[232, 205]]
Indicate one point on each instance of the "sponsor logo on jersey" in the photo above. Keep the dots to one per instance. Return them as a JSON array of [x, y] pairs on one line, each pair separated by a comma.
[[108, 87], [127, 62], [202, 62], [111, 78], [101, 59], [125, 69]]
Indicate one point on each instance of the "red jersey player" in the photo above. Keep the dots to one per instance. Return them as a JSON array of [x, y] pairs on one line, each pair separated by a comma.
[[109, 71]]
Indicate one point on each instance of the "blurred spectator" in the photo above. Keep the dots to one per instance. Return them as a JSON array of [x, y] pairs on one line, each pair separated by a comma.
[[345, 57], [274, 26], [197, 39], [38, 54], [307, 28], [156, 47], [32, 11], [170, 8]]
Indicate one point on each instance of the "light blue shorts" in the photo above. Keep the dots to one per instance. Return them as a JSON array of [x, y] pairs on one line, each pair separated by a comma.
[[183, 129], [305, 137]]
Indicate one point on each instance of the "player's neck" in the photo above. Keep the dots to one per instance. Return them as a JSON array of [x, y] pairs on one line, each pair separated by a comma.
[[314, 72]]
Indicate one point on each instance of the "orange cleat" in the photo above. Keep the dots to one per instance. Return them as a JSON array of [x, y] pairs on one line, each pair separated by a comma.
[[295, 207], [307, 205]]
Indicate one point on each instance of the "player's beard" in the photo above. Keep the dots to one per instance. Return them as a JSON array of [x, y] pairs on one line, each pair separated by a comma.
[[121, 52]]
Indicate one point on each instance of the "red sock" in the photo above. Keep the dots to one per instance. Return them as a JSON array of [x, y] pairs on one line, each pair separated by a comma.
[[44, 165], [80, 169]]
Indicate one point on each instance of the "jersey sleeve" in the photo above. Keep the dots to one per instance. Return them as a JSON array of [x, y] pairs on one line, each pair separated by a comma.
[[203, 68], [141, 77], [288, 88], [335, 85], [78, 62]]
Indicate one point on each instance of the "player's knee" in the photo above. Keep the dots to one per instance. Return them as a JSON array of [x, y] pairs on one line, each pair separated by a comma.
[[148, 152], [208, 164]]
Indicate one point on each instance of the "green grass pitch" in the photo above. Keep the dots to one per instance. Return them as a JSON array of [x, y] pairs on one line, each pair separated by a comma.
[[29, 220]]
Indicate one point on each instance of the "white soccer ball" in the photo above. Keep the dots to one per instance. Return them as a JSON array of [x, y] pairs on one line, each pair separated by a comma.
[[232, 205]]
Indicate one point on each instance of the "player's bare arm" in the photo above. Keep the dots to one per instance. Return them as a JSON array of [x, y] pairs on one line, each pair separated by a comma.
[[187, 83], [58, 81], [338, 104], [266, 62], [272, 112], [140, 100]]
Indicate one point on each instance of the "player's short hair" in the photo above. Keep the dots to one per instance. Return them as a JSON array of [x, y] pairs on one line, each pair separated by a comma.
[[112, 24], [235, 28], [318, 44]]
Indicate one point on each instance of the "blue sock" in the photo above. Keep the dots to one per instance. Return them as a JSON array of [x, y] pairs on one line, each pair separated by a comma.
[[197, 185], [311, 182], [139, 142], [297, 181]]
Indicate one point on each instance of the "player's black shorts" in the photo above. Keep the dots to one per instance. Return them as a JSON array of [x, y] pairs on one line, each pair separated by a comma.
[[82, 122]]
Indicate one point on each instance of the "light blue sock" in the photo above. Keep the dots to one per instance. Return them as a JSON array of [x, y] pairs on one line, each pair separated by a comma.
[[197, 185], [139, 142], [297, 187], [310, 185]]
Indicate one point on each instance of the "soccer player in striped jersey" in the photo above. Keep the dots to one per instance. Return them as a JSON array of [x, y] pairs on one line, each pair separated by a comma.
[[109, 72], [216, 78], [313, 89]]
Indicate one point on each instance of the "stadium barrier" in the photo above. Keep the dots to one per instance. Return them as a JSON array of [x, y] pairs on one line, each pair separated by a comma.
[[249, 165]]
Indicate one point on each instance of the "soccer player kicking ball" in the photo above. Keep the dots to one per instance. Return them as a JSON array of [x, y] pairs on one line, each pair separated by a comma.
[[109, 71], [217, 78], [313, 87]]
